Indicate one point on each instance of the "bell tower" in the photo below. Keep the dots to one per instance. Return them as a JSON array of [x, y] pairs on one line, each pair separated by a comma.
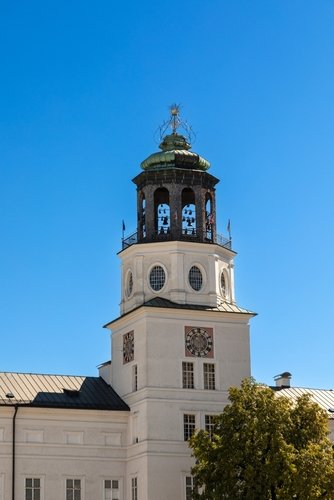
[[181, 339]]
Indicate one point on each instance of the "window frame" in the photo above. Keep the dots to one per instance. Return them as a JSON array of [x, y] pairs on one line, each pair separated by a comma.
[[188, 376], [224, 290], [33, 488], [193, 286], [134, 487], [208, 378], [134, 371], [74, 478], [119, 489], [154, 266], [209, 426], [189, 428], [189, 486], [129, 284]]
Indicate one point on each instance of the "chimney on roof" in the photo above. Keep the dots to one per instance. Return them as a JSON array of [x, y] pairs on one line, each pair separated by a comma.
[[283, 379]]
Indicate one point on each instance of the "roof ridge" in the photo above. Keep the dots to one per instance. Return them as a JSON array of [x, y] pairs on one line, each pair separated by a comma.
[[48, 374]]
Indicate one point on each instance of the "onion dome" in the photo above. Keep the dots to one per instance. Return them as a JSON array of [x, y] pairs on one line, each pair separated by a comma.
[[175, 150]]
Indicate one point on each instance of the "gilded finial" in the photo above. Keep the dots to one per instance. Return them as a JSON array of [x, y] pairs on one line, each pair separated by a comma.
[[174, 122]]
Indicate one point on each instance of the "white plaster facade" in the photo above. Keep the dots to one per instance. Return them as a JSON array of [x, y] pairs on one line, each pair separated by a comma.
[[58, 444], [176, 258], [159, 404]]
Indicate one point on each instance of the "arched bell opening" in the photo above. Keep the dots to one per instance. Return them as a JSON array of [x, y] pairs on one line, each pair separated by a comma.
[[142, 215], [162, 211], [189, 222], [209, 217]]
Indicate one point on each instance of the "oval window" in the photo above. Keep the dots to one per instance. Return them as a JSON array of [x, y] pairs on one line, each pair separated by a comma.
[[129, 284], [223, 284], [195, 278], [157, 278]]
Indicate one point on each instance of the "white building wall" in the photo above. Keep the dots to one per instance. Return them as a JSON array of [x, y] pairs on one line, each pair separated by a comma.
[[176, 258], [55, 444]]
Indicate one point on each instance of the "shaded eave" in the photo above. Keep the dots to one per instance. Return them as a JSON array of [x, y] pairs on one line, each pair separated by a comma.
[[172, 173], [160, 302]]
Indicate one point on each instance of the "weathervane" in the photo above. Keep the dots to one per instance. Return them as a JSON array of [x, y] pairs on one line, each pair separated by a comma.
[[174, 122]]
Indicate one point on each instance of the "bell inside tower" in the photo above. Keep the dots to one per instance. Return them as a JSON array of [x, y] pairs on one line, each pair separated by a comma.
[[162, 211], [209, 219], [189, 222]]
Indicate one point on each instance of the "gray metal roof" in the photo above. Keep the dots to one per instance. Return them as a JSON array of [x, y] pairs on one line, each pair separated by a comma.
[[324, 397], [225, 307], [222, 307], [58, 391]]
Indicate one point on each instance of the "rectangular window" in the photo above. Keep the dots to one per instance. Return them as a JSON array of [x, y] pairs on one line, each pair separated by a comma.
[[209, 376], [33, 488], [73, 489], [190, 487], [134, 489], [188, 426], [209, 424], [134, 378], [188, 375], [111, 489]]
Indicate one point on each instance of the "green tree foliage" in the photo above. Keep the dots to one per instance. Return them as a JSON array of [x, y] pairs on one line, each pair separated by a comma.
[[265, 447]]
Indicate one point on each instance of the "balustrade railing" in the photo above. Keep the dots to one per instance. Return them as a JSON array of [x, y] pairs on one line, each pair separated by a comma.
[[187, 235]]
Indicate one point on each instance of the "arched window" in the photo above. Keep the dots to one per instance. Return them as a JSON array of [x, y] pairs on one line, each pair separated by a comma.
[[142, 216], [209, 220], [189, 223], [162, 211]]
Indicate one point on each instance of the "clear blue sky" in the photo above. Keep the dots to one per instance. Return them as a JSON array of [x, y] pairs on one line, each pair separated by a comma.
[[84, 86]]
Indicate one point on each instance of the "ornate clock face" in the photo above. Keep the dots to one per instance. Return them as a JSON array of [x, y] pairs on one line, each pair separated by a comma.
[[199, 342], [128, 347]]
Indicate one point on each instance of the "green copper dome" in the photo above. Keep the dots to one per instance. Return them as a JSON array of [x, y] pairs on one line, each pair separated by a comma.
[[175, 154]]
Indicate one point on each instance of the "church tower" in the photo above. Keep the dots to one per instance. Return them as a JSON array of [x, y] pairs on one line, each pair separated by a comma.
[[181, 339]]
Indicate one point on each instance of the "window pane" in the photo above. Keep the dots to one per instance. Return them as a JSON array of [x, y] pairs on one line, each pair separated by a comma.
[[157, 278], [209, 424], [29, 494], [107, 484], [115, 484], [209, 376], [29, 482], [223, 284], [188, 375], [189, 487], [134, 490], [189, 426], [195, 278]]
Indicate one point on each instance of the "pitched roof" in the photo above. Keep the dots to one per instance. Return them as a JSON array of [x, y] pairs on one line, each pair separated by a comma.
[[324, 397], [225, 307], [221, 307], [58, 391]]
